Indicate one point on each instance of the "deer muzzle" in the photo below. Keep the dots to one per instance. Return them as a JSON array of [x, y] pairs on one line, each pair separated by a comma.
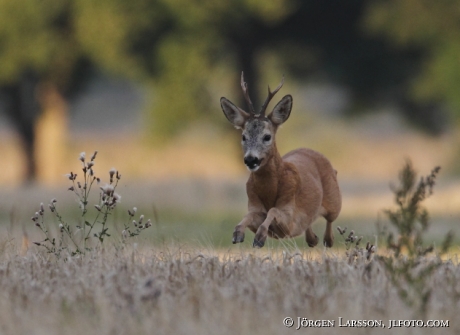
[[252, 162]]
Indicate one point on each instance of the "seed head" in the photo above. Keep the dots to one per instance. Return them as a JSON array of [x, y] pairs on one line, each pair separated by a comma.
[[71, 175], [82, 156], [108, 189], [141, 218], [61, 227], [52, 208], [148, 223], [71, 188], [134, 223], [93, 156], [112, 171], [98, 207], [116, 198], [42, 209]]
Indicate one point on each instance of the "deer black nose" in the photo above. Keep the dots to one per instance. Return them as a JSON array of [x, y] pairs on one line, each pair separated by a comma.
[[251, 161]]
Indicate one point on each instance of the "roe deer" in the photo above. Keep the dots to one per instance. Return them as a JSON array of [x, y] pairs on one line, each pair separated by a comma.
[[285, 194]]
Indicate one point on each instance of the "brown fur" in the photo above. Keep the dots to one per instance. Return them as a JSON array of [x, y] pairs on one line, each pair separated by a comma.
[[285, 194]]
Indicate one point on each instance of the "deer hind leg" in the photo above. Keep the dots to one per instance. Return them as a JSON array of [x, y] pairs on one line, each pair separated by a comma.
[[331, 206], [328, 238], [252, 220]]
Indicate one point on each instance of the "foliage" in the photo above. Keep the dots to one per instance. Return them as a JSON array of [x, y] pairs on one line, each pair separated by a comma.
[[187, 53], [432, 26], [77, 238], [408, 268], [410, 219]]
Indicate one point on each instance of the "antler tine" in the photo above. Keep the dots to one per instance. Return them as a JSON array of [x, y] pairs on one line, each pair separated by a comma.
[[270, 96], [244, 86]]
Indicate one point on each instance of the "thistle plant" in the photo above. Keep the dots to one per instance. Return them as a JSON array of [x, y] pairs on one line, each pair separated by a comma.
[[137, 226], [79, 237]]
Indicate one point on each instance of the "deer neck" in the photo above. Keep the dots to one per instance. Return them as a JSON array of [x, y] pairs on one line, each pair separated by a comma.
[[266, 179]]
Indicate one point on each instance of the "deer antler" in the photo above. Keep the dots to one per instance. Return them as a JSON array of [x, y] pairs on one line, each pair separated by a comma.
[[244, 86], [270, 96]]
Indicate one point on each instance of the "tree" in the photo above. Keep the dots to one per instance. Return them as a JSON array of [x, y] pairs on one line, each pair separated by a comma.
[[183, 49], [433, 27], [48, 50], [310, 39]]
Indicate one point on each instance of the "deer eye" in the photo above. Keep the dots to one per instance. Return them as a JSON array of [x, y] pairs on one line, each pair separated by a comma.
[[267, 138], [244, 138]]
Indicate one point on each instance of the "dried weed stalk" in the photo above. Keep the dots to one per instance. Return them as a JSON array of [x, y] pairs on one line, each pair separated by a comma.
[[78, 238], [357, 252]]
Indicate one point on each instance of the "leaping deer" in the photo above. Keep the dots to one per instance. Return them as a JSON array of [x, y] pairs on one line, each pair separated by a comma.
[[285, 194]]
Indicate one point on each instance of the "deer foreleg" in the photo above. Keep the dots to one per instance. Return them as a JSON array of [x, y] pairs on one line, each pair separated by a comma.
[[310, 237], [253, 220], [274, 215]]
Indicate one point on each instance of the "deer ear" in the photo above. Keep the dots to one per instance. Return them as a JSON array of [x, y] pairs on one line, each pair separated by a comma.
[[235, 115], [281, 111]]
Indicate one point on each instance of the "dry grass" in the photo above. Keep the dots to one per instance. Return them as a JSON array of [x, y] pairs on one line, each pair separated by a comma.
[[174, 290]]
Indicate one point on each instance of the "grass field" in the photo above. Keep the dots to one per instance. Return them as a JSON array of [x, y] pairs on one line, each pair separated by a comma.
[[180, 290], [183, 275]]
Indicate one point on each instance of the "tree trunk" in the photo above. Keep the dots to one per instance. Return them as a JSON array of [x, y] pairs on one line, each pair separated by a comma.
[[42, 133], [23, 109], [50, 134]]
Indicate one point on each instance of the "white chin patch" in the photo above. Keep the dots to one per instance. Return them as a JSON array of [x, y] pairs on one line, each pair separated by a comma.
[[254, 169]]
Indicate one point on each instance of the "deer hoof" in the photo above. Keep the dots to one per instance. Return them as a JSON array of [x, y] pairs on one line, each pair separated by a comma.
[[260, 238], [238, 237], [328, 243], [258, 243], [312, 242]]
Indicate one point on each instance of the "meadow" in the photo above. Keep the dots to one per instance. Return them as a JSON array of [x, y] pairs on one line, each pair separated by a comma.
[[182, 275], [179, 277]]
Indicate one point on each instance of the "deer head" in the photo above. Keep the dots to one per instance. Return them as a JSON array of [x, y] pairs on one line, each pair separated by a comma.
[[258, 138]]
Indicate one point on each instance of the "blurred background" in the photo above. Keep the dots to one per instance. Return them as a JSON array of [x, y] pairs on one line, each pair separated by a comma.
[[374, 83]]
